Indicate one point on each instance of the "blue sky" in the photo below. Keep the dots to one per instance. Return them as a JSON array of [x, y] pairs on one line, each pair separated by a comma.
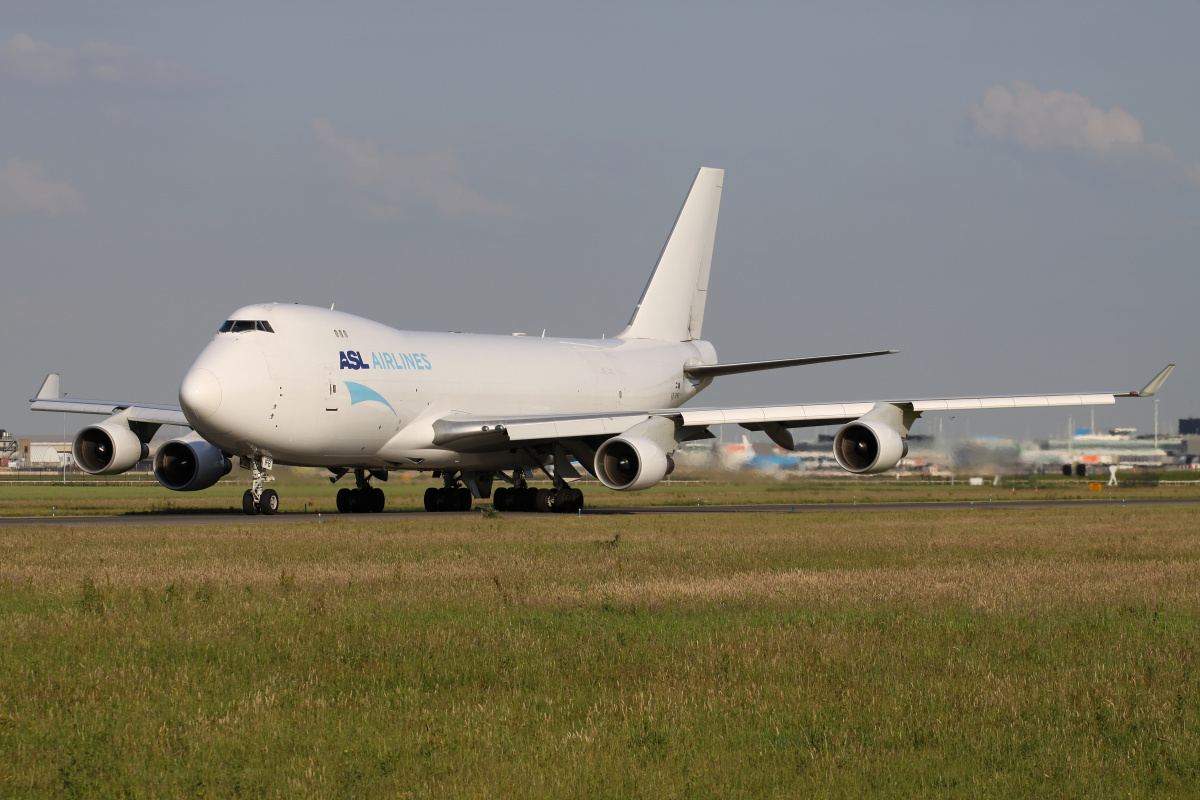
[[1008, 194]]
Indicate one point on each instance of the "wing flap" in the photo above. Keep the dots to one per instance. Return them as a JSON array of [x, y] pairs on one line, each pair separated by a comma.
[[1022, 401]]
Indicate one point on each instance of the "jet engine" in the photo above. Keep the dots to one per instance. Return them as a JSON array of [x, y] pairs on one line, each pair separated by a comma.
[[107, 448], [189, 463], [867, 446], [629, 463]]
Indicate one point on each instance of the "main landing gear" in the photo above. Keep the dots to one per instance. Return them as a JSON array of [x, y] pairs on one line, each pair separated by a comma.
[[562, 499], [451, 497], [364, 498], [257, 499]]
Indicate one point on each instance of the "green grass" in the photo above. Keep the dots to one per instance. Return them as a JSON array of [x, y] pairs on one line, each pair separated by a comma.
[[1017, 653], [309, 490]]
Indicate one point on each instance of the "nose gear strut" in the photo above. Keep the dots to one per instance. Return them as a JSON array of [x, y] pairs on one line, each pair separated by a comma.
[[257, 499]]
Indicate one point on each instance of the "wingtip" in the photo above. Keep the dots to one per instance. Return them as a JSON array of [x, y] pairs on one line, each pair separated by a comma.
[[1154, 385], [1151, 388], [50, 388]]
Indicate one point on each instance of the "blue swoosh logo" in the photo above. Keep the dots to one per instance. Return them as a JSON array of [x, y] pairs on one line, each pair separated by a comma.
[[363, 394]]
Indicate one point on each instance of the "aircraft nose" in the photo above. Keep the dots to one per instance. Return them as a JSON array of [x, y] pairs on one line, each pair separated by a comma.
[[200, 394]]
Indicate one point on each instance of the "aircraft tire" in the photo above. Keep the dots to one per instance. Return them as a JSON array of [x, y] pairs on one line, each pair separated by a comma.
[[465, 499], [248, 503], [378, 500], [268, 502], [568, 501], [500, 499], [543, 501], [344, 503], [431, 499]]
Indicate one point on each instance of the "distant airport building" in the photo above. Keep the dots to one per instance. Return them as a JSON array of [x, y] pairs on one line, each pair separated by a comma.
[[9, 450], [1189, 426]]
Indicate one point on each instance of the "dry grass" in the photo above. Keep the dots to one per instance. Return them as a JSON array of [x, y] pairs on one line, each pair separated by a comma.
[[1009, 653]]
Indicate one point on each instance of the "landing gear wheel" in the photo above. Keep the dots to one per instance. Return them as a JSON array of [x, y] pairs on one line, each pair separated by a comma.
[[344, 502], [377, 500], [464, 499], [248, 503], [268, 501], [543, 501], [432, 495], [500, 499]]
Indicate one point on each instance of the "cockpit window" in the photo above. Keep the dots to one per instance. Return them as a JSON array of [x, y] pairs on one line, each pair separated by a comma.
[[242, 325]]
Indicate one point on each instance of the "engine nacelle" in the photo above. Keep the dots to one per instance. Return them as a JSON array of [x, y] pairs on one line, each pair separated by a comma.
[[630, 463], [867, 446], [189, 464], [107, 448]]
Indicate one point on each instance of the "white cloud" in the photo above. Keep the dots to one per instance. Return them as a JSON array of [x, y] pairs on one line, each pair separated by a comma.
[[95, 64], [394, 180], [23, 190], [1058, 123]]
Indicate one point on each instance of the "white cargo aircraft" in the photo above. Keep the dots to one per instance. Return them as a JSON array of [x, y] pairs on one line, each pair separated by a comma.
[[314, 387]]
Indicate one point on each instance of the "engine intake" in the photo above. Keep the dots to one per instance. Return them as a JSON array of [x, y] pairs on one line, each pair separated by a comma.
[[107, 448], [868, 446], [630, 463], [189, 464]]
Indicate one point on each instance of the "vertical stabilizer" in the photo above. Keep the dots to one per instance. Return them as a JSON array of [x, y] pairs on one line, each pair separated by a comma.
[[672, 304]]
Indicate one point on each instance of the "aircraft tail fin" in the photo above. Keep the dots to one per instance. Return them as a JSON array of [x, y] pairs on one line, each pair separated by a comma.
[[672, 304]]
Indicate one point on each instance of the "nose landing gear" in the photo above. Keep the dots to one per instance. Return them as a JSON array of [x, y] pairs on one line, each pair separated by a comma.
[[364, 498], [257, 499]]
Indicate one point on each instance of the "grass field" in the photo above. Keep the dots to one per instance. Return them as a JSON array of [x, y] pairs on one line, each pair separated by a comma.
[[1015, 653], [301, 490]]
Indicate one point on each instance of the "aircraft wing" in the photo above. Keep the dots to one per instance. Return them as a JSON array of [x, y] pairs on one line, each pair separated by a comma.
[[49, 399], [477, 433]]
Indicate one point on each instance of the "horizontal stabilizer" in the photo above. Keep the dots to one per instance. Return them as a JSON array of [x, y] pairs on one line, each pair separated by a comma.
[[713, 370]]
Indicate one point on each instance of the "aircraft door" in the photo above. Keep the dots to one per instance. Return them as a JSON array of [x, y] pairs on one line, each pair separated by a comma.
[[333, 393]]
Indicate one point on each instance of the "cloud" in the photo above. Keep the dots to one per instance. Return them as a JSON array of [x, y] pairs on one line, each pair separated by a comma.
[[1066, 124], [95, 65], [23, 190], [394, 181]]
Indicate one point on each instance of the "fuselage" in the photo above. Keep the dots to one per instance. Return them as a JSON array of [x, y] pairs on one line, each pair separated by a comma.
[[318, 387]]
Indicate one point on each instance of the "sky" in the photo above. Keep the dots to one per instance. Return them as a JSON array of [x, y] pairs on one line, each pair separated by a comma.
[[1008, 193]]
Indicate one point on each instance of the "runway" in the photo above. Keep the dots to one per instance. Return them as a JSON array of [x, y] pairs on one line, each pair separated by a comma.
[[297, 518]]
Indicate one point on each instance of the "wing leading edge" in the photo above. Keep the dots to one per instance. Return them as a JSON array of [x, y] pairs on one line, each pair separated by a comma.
[[49, 398], [476, 433]]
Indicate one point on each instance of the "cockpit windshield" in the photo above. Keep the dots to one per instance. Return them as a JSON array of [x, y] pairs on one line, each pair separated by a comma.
[[243, 325]]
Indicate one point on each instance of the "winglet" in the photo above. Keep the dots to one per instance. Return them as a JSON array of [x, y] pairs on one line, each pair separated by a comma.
[[1153, 386], [49, 390]]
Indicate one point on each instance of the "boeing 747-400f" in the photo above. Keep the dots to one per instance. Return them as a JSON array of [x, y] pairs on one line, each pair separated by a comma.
[[314, 387]]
